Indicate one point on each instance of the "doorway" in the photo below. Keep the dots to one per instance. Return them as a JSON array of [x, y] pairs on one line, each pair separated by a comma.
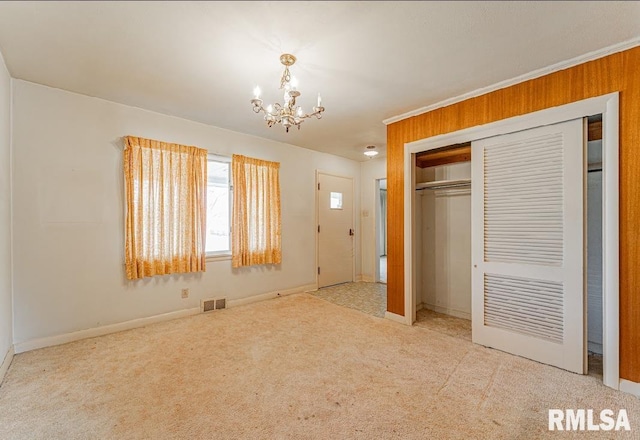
[[335, 231], [606, 105], [381, 231]]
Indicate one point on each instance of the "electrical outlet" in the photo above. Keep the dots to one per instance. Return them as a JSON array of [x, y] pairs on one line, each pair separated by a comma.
[[185, 293]]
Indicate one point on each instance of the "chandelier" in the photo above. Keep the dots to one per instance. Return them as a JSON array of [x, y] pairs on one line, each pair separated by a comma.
[[287, 114]]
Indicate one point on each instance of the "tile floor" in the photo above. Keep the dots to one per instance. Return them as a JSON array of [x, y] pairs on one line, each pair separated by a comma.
[[369, 298]]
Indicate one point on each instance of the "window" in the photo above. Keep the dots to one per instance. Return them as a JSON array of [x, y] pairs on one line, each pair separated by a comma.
[[336, 200], [219, 196]]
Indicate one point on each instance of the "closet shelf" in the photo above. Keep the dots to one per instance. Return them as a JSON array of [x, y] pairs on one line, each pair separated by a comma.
[[444, 184]]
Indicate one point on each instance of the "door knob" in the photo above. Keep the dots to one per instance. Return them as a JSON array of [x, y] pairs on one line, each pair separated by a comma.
[[351, 232]]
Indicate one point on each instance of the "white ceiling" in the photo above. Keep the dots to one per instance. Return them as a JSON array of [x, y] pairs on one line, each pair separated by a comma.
[[369, 60]]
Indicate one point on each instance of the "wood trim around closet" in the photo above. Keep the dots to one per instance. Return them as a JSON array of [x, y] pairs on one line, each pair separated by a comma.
[[594, 131], [444, 156]]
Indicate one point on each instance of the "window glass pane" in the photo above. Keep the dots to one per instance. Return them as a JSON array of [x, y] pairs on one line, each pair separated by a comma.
[[218, 206], [336, 200]]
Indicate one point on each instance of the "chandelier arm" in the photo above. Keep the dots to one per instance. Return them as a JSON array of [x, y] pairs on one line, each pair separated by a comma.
[[317, 113]]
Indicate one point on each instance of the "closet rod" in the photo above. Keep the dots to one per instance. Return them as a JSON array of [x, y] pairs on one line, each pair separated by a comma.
[[594, 167], [444, 184]]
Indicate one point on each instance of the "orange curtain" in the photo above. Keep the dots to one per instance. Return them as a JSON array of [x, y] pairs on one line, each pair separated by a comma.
[[255, 236], [166, 190]]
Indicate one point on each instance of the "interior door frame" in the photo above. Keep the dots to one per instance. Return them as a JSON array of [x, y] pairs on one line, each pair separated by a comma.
[[608, 106], [377, 216], [376, 228], [353, 222]]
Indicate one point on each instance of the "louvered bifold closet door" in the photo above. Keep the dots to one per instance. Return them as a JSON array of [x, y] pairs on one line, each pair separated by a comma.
[[527, 244]]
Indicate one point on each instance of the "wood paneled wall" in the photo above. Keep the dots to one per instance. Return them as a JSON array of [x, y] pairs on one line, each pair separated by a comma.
[[617, 72]]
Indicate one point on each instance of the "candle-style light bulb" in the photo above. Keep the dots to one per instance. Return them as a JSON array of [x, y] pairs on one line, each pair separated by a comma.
[[300, 112], [256, 92], [294, 83], [270, 109], [319, 100]]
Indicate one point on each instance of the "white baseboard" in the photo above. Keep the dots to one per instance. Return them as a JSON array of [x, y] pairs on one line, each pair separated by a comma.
[[447, 311], [270, 295], [6, 363], [368, 278], [396, 318], [630, 387], [50, 341]]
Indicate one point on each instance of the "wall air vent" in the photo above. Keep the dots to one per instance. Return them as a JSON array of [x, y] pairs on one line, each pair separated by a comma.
[[208, 305]]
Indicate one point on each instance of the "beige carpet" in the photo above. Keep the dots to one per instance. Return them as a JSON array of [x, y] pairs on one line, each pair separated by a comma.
[[290, 368], [447, 324]]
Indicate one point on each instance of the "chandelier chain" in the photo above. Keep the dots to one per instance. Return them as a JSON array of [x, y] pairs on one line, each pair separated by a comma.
[[286, 77]]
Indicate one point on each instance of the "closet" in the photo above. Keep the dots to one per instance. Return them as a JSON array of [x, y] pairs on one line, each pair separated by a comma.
[[594, 236], [443, 229]]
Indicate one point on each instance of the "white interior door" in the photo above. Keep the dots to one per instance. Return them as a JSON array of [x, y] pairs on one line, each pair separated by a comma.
[[335, 230], [527, 244]]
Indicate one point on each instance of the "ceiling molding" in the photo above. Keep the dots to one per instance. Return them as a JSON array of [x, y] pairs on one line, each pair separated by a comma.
[[600, 53]]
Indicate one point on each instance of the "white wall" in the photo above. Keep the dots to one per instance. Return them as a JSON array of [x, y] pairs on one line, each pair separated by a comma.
[[443, 224], [370, 170], [6, 320], [69, 211]]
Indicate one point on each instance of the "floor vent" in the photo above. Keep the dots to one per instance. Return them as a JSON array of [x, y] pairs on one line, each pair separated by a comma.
[[208, 305]]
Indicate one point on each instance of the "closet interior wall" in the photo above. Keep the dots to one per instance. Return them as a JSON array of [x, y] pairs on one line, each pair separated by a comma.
[[594, 247], [443, 231]]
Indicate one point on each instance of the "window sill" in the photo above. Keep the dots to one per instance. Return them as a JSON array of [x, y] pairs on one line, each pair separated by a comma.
[[218, 257]]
